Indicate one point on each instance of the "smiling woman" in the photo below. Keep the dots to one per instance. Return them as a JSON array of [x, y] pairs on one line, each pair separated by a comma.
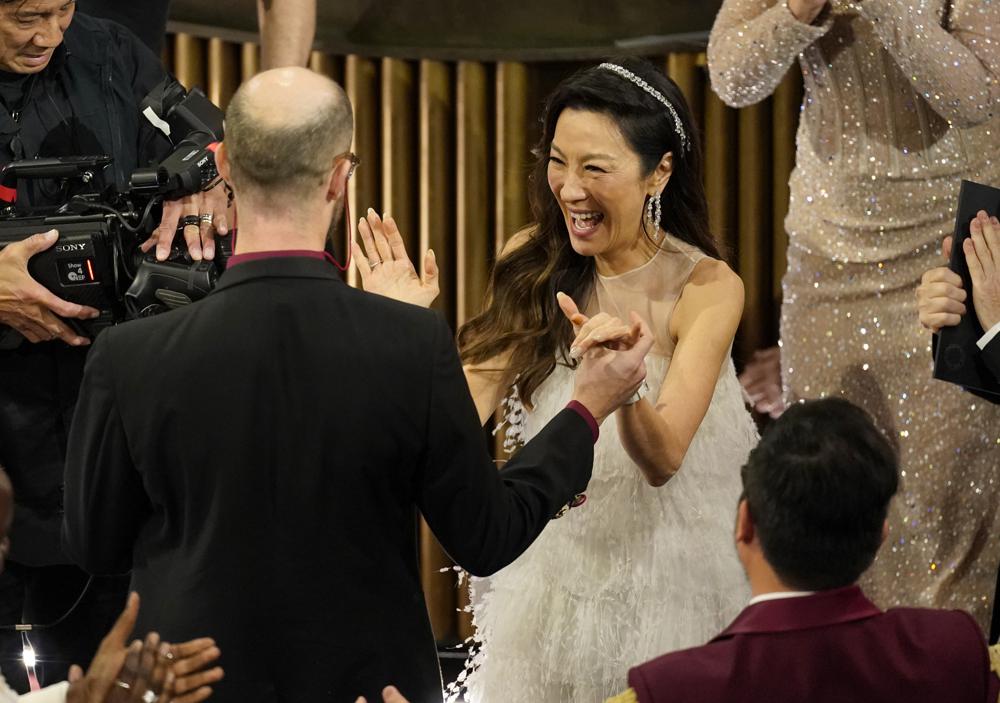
[[647, 564], [621, 226]]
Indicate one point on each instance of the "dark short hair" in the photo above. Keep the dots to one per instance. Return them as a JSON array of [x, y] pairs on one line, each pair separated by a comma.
[[818, 488], [282, 159]]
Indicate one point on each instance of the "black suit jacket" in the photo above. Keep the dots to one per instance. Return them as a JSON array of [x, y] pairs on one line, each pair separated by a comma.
[[256, 459], [991, 357]]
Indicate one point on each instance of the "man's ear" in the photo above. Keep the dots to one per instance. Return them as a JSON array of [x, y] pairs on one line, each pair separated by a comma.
[[885, 531], [222, 162], [336, 186], [660, 176], [745, 530]]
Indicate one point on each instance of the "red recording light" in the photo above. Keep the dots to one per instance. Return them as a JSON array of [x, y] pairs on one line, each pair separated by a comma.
[[90, 269]]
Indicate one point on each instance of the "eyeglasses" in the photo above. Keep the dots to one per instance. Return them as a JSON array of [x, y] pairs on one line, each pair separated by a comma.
[[353, 158]]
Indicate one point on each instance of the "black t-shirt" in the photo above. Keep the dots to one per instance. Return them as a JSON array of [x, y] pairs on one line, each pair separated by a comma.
[[146, 18], [13, 87]]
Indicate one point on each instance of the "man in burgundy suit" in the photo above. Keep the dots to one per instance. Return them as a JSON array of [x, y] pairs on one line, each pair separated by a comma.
[[812, 517], [816, 492]]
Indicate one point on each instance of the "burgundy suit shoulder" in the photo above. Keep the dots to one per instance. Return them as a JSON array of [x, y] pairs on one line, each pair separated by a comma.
[[709, 669], [905, 654]]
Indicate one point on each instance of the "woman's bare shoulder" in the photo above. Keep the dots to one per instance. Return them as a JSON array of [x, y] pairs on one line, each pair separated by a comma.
[[717, 273], [712, 285]]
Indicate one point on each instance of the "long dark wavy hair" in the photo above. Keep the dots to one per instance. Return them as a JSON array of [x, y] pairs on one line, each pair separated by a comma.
[[522, 315]]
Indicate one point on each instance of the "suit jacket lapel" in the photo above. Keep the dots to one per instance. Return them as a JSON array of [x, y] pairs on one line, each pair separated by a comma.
[[818, 610]]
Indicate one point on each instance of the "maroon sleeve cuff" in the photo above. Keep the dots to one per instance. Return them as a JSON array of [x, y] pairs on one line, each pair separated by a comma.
[[578, 407]]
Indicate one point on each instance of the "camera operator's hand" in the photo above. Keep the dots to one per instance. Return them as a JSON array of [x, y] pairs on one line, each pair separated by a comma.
[[210, 210], [26, 305], [386, 269]]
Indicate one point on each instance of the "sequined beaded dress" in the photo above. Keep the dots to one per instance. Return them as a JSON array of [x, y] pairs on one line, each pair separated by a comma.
[[636, 571], [899, 104]]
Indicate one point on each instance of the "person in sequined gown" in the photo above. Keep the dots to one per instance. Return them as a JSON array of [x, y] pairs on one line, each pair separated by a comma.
[[900, 103]]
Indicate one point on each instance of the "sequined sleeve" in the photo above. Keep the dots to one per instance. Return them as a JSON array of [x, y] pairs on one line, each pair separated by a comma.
[[628, 697], [752, 45], [955, 69]]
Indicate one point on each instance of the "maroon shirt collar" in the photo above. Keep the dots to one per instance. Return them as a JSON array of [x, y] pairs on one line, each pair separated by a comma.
[[832, 607], [238, 259]]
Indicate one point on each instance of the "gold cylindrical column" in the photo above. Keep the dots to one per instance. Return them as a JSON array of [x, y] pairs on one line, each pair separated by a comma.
[[511, 150], [249, 60], [755, 232], [784, 122], [189, 60], [223, 71], [361, 84], [399, 168]]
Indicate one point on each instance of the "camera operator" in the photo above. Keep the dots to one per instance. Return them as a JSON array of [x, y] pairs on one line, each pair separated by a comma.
[[69, 85]]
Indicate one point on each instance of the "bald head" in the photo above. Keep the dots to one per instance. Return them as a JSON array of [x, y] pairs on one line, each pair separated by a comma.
[[283, 130]]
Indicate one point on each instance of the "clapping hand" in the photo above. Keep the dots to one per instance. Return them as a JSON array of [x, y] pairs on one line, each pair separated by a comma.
[[806, 10], [147, 671], [386, 269], [940, 296], [982, 253], [139, 673], [193, 678], [389, 695], [761, 379]]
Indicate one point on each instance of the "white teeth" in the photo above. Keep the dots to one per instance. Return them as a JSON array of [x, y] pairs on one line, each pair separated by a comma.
[[586, 220]]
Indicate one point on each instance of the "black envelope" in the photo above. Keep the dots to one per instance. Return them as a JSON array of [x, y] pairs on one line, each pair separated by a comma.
[[956, 357]]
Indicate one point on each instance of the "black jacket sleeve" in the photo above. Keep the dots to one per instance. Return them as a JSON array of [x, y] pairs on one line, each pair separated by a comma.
[[105, 503], [991, 357], [486, 518], [144, 72]]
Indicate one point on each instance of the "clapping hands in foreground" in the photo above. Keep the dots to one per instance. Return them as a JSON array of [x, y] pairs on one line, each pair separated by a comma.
[[148, 671], [941, 298], [389, 695]]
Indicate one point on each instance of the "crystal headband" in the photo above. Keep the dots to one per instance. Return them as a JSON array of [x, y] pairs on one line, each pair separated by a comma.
[[629, 76]]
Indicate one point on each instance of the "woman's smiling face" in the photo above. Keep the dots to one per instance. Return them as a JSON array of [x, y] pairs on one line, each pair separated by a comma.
[[599, 184]]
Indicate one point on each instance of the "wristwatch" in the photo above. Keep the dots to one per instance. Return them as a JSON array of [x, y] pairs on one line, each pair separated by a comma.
[[638, 395]]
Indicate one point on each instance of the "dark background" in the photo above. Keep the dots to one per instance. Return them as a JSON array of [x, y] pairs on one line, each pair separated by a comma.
[[481, 29]]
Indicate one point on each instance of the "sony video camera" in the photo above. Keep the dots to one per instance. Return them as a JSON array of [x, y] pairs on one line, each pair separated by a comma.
[[97, 261]]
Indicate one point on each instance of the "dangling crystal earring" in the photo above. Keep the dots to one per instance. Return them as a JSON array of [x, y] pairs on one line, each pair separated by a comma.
[[654, 213]]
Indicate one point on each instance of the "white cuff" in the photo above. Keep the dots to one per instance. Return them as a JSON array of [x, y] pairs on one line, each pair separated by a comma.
[[50, 694], [988, 337]]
